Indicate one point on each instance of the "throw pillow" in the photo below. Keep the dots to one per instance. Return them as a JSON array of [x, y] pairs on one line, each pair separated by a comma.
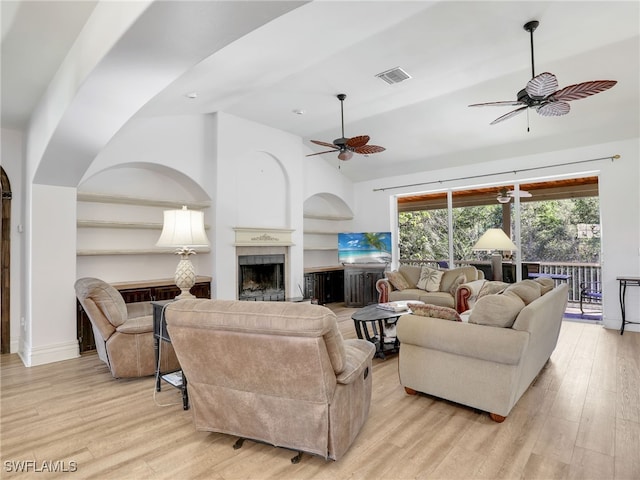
[[527, 290], [492, 287], [430, 279], [397, 280], [456, 283], [496, 310], [428, 310]]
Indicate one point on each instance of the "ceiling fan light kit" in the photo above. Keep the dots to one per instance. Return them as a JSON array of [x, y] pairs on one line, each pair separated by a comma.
[[541, 92], [346, 147]]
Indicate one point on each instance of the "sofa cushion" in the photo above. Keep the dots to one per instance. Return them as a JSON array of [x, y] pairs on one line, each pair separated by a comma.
[[444, 299], [527, 290], [457, 282], [411, 273], [546, 284], [450, 276], [430, 279], [496, 310], [436, 311], [397, 280]]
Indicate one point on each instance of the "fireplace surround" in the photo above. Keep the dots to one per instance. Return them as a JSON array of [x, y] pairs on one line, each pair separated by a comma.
[[262, 263]]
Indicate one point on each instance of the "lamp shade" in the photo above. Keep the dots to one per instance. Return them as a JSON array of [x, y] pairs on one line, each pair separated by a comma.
[[183, 228], [494, 239]]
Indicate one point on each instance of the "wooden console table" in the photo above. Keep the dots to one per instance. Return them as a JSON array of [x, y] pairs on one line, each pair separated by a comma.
[[138, 291], [623, 283]]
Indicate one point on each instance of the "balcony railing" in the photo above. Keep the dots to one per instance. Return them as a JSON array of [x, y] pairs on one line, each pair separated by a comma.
[[577, 272]]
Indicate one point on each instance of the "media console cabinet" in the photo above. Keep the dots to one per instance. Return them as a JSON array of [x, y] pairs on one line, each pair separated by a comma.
[[139, 291]]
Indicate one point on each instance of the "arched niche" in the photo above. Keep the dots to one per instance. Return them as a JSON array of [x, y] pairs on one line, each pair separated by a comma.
[[119, 220], [325, 216]]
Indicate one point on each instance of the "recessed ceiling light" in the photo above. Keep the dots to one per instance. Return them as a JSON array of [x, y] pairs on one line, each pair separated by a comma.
[[298, 111], [191, 95]]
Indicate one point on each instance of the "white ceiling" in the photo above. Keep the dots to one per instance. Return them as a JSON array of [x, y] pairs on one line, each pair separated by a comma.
[[298, 56]]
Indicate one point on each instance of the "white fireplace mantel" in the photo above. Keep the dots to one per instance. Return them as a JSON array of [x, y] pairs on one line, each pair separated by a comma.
[[266, 237]]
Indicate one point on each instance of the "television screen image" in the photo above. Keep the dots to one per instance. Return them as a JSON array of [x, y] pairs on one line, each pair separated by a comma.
[[368, 247]]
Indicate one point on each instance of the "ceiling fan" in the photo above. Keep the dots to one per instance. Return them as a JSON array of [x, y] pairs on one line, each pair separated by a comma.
[[505, 196], [347, 146], [542, 94]]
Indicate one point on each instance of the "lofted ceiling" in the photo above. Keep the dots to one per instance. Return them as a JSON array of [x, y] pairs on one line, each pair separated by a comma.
[[265, 61]]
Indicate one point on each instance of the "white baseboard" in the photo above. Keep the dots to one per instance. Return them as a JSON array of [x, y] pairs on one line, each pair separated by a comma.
[[48, 353]]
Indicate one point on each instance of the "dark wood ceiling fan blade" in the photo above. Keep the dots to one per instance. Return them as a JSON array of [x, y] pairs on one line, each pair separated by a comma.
[[553, 109], [542, 85], [368, 149], [506, 116], [506, 103], [325, 144], [583, 90], [321, 153], [359, 141]]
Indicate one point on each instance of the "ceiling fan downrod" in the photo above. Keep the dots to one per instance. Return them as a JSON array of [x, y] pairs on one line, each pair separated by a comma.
[[531, 27]]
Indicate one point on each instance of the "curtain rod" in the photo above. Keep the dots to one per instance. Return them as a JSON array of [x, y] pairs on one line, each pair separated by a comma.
[[613, 157]]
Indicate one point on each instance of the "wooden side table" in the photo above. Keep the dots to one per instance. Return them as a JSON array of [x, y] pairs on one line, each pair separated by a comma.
[[160, 334]]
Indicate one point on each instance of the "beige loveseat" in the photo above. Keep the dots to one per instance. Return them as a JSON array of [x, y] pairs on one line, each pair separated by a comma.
[[486, 365], [449, 291], [276, 372]]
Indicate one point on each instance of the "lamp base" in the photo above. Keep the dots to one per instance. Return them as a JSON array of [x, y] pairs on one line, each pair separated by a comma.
[[496, 266], [185, 277]]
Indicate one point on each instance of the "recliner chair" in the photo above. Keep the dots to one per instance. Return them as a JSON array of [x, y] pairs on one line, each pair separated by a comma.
[[275, 372], [123, 332]]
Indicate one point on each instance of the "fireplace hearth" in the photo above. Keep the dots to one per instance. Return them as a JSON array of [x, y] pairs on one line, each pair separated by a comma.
[[261, 277]]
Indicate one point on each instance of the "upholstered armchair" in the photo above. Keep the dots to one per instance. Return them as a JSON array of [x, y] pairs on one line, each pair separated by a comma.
[[123, 332], [274, 372]]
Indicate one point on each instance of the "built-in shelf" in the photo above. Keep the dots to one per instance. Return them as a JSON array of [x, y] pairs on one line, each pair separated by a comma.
[[92, 197], [129, 200], [319, 248], [320, 232], [115, 224], [319, 216], [137, 251]]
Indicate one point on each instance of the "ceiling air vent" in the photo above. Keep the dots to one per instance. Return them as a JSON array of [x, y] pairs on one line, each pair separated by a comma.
[[395, 75]]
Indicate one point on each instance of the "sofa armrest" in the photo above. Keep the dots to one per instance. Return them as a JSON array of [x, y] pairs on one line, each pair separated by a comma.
[[467, 294], [494, 344], [383, 286], [359, 354]]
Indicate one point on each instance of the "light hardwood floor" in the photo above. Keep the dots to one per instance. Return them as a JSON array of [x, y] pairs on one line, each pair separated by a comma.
[[579, 420]]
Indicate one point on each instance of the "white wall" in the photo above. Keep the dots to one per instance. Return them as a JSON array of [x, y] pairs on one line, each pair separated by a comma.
[[619, 206], [266, 159], [50, 335], [12, 160]]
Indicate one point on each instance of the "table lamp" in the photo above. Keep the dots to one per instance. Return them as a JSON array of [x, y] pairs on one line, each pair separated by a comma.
[[495, 241], [184, 229]]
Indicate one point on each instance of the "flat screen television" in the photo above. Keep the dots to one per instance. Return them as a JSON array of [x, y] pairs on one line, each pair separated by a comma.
[[366, 247]]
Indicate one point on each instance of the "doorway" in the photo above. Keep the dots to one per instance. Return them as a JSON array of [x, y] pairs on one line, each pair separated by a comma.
[[5, 268]]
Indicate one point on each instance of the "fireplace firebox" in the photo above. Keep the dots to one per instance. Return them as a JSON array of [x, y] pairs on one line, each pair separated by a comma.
[[261, 278]]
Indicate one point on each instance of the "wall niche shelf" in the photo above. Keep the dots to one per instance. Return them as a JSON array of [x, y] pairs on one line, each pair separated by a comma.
[[137, 243], [137, 251], [318, 216], [128, 200]]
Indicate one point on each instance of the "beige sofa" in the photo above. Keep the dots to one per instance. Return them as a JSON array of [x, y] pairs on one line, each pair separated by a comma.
[[276, 372], [487, 365], [451, 291]]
